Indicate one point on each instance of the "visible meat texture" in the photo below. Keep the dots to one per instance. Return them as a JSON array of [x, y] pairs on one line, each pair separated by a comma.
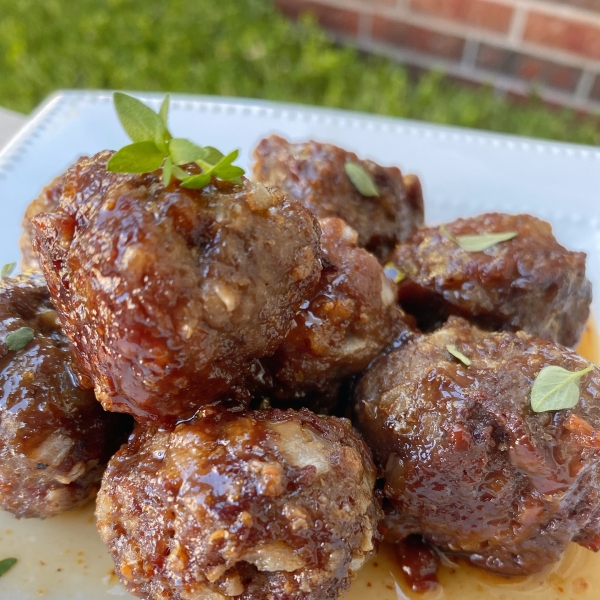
[[314, 175], [168, 294], [467, 462], [350, 320], [246, 504], [55, 439], [530, 282], [47, 201]]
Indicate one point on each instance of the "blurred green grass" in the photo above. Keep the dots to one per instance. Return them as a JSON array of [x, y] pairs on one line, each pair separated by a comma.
[[238, 48]]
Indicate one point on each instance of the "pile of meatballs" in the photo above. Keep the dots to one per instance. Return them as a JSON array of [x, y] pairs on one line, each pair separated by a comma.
[[255, 404]]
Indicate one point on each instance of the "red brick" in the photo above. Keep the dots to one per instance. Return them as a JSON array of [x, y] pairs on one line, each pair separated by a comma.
[[331, 17], [479, 13], [563, 34], [595, 93], [585, 4], [417, 38], [529, 68]]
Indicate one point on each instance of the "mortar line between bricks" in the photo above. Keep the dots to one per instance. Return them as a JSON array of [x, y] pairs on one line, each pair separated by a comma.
[[469, 56], [585, 85], [517, 26]]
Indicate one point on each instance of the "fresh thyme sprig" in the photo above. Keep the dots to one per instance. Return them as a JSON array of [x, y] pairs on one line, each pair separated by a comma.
[[154, 147]]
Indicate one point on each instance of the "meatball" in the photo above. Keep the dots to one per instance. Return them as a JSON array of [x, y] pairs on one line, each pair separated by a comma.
[[350, 320], [55, 439], [314, 175], [467, 462], [245, 504], [47, 201], [529, 282], [168, 294]]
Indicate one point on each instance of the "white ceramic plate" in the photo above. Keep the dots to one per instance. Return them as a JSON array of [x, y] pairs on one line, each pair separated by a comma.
[[464, 172]]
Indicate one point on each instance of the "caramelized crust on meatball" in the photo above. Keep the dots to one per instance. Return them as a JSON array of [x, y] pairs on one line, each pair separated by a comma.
[[350, 320], [47, 201], [246, 504], [314, 175], [168, 294], [468, 464], [529, 282], [55, 439]]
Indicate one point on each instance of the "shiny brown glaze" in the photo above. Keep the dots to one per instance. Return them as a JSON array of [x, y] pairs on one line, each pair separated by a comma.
[[530, 282], [47, 201], [168, 294], [350, 320], [246, 504], [468, 464], [313, 174], [55, 439]]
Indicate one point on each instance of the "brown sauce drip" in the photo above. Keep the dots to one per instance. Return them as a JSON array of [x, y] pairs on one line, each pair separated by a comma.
[[419, 563]]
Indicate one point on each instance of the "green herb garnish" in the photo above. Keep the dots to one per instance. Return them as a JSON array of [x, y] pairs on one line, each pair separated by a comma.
[[17, 340], [6, 565], [478, 243], [392, 272], [556, 388], [154, 147], [361, 180], [7, 270], [452, 349]]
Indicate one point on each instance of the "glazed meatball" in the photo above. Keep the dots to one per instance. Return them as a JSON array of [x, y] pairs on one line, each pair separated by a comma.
[[529, 282], [168, 294], [314, 175], [55, 439], [47, 201], [467, 462], [246, 504], [350, 320]]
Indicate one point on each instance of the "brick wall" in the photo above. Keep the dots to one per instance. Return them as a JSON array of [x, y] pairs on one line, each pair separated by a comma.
[[553, 45]]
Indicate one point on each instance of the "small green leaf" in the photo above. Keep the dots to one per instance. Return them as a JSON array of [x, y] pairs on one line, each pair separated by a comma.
[[361, 180], [228, 172], [212, 155], [17, 340], [452, 349], [556, 388], [392, 272], [7, 270], [180, 173], [6, 565], [183, 151], [163, 113], [140, 122], [478, 243], [196, 182], [227, 160], [141, 157], [167, 171]]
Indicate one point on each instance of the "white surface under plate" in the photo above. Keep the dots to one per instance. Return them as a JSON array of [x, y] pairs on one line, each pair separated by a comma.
[[464, 172]]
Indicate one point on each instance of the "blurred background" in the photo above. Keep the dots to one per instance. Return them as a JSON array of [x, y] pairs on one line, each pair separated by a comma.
[[529, 67]]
